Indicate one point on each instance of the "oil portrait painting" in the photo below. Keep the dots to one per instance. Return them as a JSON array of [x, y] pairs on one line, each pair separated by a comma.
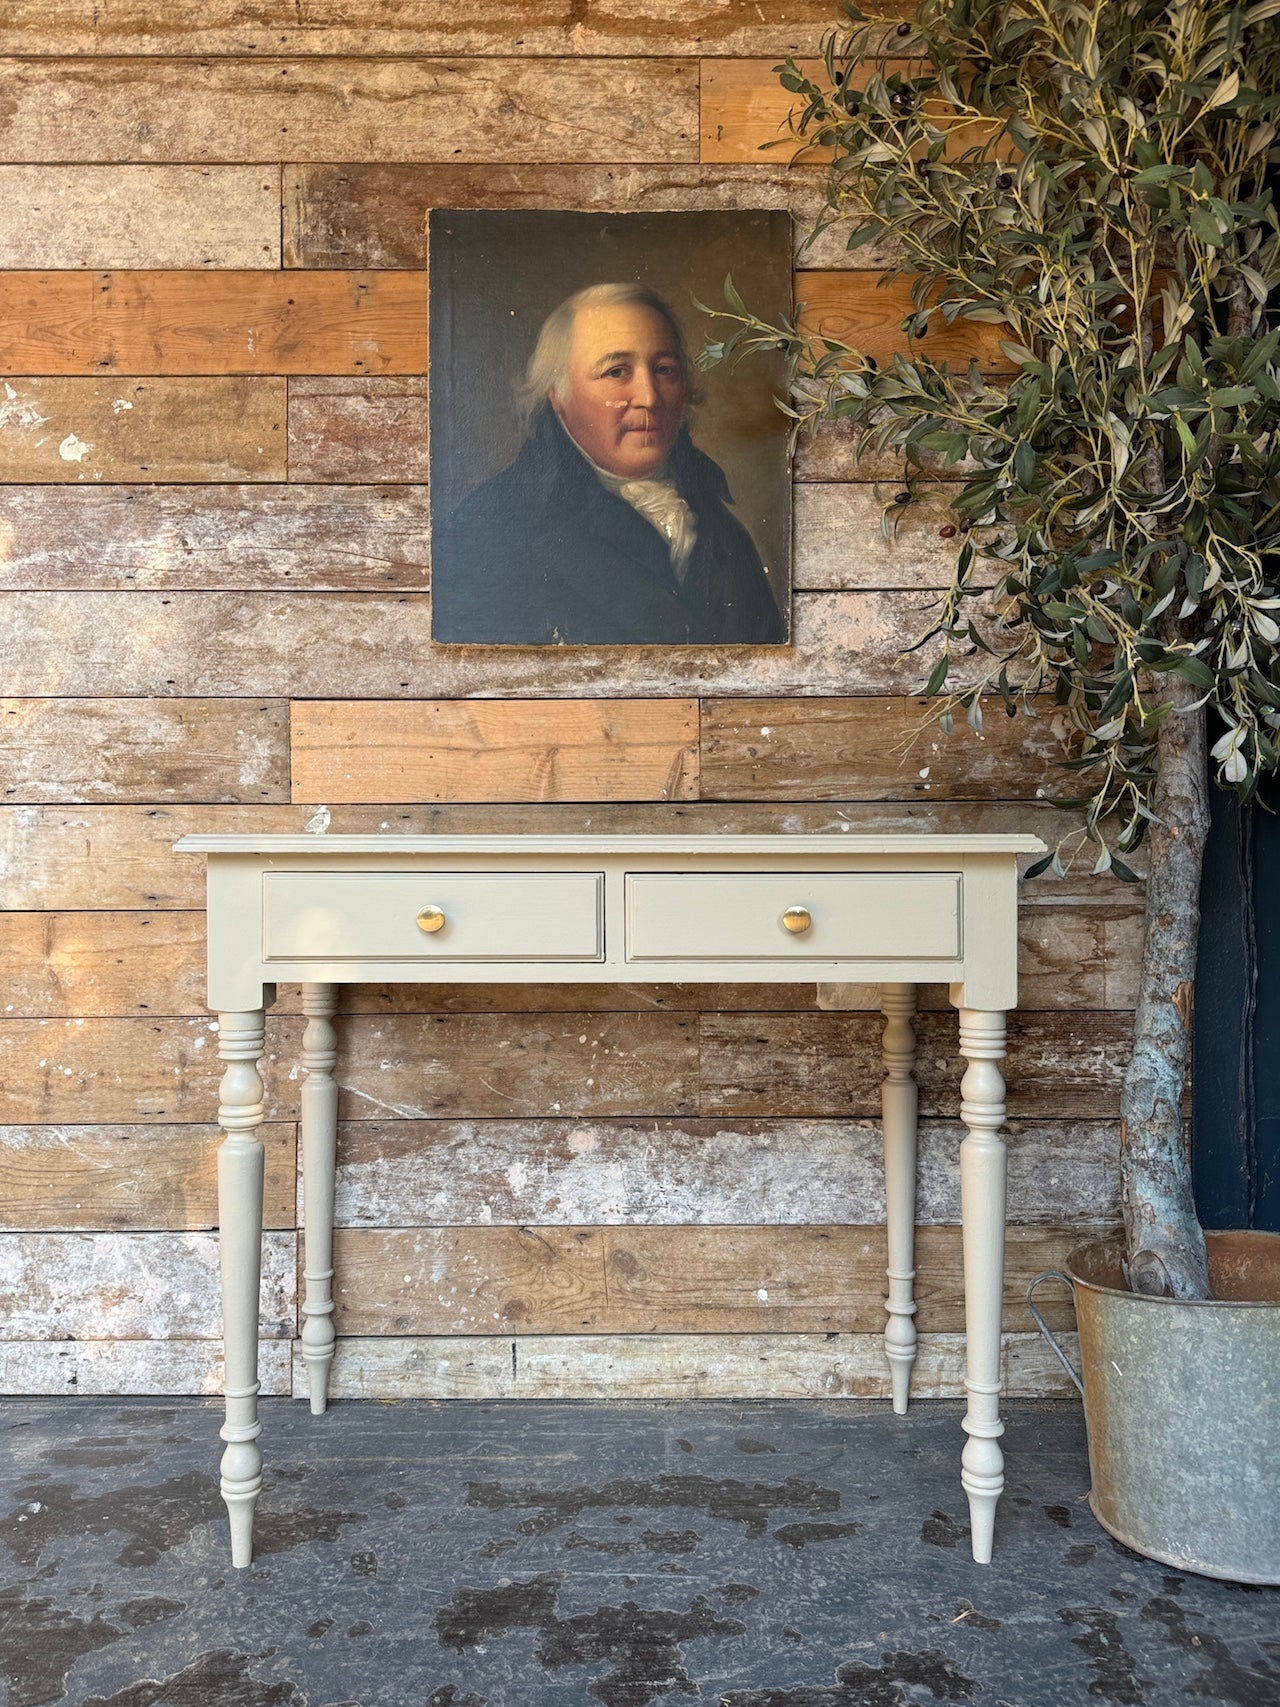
[[589, 487]]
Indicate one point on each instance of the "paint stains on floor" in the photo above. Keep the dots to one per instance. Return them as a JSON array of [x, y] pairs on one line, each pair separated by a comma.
[[1214, 1674], [152, 1518], [860, 1685], [40, 1642], [536, 1555], [223, 1677], [642, 1647], [726, 1499], [1114, 1675], [801, 1534], [942, 1530]]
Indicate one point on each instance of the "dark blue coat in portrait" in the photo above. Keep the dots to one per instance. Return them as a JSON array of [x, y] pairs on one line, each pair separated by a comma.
[[545, 554]]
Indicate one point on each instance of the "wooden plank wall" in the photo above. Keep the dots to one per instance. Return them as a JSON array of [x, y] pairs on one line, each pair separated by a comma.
[[215, 579]]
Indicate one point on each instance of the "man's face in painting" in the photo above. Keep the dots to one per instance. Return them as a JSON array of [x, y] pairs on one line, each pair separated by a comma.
[[622, 396]]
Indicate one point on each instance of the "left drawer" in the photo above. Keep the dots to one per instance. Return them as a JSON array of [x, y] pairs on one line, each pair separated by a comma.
[[361, 915]]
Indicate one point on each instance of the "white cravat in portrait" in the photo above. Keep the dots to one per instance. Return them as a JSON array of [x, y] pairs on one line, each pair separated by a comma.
[[658, 500]]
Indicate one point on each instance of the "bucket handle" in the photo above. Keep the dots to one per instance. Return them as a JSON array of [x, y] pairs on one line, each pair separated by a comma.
[[1063, 1359]]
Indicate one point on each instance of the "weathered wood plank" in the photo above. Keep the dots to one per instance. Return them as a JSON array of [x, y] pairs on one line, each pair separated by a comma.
[[46, 323], [882, 749], [358, 430], [105, 857], [140, 216], [85, 965], [743, 114], [668, 1173], [255, 322], [184, 430], [426, 1066], [794, 1065], [376, 216], [225, 322], [202, 538], [116, 1178], [644, 1366], [543, 27], [133, 1286], [262, 110], [412, 1066], [96, 1368], [744, 108], [476, 750], [546, 1172], [839, 541], [443, 1366], [1123, 933], [375, 646], [661, 1280], [673, 1366], [67, 1072], [421, 1066], [855, 309], [830, 453], [66, 750]]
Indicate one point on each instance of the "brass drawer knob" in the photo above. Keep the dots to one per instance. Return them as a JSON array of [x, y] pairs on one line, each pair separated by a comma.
[[431, 919], [797, 919]]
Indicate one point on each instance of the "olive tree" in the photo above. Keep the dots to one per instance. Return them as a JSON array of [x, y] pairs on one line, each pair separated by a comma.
[[1089, 179]]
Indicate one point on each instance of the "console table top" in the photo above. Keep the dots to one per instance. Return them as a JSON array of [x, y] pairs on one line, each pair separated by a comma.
[[692, 845]]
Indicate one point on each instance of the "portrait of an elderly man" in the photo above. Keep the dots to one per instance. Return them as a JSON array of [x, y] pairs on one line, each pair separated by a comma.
[[610, 527]]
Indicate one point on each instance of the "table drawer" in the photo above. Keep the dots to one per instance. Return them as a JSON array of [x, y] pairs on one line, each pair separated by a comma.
[[487, 915], [739, 916]]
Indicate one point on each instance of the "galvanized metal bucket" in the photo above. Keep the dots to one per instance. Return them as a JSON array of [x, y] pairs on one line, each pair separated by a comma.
[[1182, 1407]]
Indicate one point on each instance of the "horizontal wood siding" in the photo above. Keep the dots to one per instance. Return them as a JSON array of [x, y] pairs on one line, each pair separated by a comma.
[[495, 750], [671, 1366], [424, 1066], [264, 111], [215, 582], [744, 109], [167, 430], [144, 749], [376, 216], [140, 216], [653, 1280], [549, 28], [213, 323], [103, 538], [372, 646]]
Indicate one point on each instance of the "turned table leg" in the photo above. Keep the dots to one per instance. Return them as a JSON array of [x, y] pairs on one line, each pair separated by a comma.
[[319, 1161], [240, 1158], [982, 1189], [898, 1105]]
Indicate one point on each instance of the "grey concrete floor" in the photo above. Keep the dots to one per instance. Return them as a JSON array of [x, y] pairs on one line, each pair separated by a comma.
[[510, 1555]]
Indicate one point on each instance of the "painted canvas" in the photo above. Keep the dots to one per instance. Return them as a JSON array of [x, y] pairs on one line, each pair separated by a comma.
[[589, 487]]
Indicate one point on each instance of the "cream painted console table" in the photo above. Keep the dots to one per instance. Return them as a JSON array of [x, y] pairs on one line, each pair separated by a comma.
[[896, 911]]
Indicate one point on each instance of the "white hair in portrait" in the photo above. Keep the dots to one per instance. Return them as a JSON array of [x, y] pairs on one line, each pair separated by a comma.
[[551, 352]]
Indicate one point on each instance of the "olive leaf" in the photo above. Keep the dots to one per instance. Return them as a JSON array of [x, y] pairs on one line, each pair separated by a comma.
[[1095, 180]]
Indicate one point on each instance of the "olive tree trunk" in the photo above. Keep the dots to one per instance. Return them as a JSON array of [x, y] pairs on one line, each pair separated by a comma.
[[1166, 1248]]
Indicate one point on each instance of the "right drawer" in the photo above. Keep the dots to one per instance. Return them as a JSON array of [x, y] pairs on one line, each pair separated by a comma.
[[861, 915]]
